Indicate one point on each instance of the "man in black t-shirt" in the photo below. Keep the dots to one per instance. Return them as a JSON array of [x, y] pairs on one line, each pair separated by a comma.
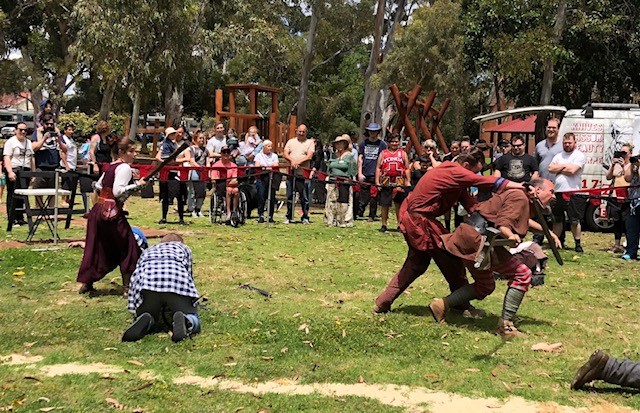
[[368, 152], [516, 166]]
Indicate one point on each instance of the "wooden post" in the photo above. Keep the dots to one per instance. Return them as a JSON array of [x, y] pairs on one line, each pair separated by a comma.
[[253, 104], [293, 124], [127, 126], [156, 127], [273, 117], [402, 111], [232, 108], [435, 127], [218, 104]]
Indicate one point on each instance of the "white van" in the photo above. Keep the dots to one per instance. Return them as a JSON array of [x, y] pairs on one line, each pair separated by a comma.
[[600, 129]]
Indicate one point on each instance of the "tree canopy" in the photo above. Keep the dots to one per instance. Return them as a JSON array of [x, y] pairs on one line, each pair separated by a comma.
[[333, 59]]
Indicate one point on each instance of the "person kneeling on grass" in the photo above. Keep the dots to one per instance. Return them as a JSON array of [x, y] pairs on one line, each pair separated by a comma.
[[163, 281]]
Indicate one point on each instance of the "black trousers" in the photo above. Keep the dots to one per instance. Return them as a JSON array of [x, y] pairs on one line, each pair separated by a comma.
[[366, 198], [154, 303], [19, 183]]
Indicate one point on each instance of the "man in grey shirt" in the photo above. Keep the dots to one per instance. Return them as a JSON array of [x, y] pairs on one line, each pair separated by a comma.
[[548, 148], [216, 142], [545, 151]]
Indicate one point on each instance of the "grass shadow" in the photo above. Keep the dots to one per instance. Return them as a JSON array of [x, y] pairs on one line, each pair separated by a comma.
[[417, 310], [103, 293], [612, 390]]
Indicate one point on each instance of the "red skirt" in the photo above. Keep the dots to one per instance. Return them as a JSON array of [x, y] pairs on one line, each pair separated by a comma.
[[108, 244]]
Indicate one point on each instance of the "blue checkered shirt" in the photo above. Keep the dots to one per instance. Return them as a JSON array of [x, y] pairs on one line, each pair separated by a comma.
[[164, 268]]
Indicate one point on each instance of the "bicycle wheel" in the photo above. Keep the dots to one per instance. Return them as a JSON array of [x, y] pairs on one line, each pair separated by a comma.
[[242, 208]]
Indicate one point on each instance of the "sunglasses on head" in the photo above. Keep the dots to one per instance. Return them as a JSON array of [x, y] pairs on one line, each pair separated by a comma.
[[226, 152]]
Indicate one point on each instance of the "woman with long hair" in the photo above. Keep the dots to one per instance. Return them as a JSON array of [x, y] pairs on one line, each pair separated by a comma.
[[110, 241]]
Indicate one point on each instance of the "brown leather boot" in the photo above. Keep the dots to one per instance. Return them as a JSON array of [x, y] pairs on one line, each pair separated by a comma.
[[381, 309], [507, 330], [438, 309], [591, 370]]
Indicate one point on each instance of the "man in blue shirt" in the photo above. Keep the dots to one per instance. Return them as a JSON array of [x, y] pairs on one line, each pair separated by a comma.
[[368, 153]]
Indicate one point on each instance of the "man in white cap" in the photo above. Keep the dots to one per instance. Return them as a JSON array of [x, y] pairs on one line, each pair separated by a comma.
[[368, 152]]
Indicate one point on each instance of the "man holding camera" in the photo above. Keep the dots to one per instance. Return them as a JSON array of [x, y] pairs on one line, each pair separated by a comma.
[[47, 146]]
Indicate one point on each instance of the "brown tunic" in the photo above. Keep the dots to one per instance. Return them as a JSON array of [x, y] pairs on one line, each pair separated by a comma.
[[509, 209]]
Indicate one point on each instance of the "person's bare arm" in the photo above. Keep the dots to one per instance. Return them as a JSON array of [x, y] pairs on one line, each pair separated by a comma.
[[535, 175], [41, 138], [628, 172], [407, 169], [92, 148], [497, 173], [7, 166], [360, 161], [571, 169], [555, 168], [63, 158]]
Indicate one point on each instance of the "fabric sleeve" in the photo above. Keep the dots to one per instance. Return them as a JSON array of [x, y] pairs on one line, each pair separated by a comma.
[[468, 201], [511, 211], [499, 163], [122, 179], [8, 148], [464, 178], [581, 160], [534, 164]]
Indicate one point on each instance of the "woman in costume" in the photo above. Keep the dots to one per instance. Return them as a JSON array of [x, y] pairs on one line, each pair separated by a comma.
[[110, 242]]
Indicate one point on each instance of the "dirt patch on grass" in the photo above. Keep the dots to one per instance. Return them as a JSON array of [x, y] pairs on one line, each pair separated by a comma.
[[413, 399], [75, 368], [18, 359]]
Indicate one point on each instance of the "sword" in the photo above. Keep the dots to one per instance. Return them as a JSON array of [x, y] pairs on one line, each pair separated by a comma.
[[546, 232]]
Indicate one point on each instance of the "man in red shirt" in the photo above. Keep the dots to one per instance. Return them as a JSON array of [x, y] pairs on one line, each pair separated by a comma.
[[434, 195], [392, 174]]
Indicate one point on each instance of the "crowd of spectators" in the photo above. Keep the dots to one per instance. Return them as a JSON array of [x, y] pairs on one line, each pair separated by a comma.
[[361, 173]]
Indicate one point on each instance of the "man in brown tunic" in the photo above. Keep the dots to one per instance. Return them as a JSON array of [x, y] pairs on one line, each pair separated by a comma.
[[510, 212]]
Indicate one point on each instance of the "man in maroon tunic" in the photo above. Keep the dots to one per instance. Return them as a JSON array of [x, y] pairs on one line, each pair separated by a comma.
[[511, 213], [436, 192]]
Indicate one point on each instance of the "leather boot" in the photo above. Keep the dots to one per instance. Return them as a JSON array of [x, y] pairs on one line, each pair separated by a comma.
[[507, 330], [438, 307], [591, 370]]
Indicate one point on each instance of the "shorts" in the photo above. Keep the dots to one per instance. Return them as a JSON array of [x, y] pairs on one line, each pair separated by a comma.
[[575, 208], [389, 195]]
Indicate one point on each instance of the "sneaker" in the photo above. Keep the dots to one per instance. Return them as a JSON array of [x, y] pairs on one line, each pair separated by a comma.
[[286, 221], [305, 221], [626, 257], [591, 370], [179, 327], [382, 308], [19, 222], [162, 221], [470, 312], [438, 308], [200, 214], [579, 249], [194, 214], [260, 219], [140, 327], [507, 330], [272, 221], [383, 229]]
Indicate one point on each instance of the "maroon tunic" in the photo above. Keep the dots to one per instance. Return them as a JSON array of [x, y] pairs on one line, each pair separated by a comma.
[[437, 191], [108, 243]]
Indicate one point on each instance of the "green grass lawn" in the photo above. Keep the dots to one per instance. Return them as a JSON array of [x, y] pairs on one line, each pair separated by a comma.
[[317, 327]]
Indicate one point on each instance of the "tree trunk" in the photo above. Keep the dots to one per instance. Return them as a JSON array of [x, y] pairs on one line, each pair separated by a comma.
[[547, 78], [375, 101], [307, 64], [135, 113], [173, 103], [369, 112], [107, 99]]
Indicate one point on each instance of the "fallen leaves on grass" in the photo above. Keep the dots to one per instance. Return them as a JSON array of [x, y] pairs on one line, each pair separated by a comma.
[[49, 409], [360, 379], [430, 376], [135, 363], [506, 386], [549, 348], [284, 350], [304, 327], [473, 370]]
